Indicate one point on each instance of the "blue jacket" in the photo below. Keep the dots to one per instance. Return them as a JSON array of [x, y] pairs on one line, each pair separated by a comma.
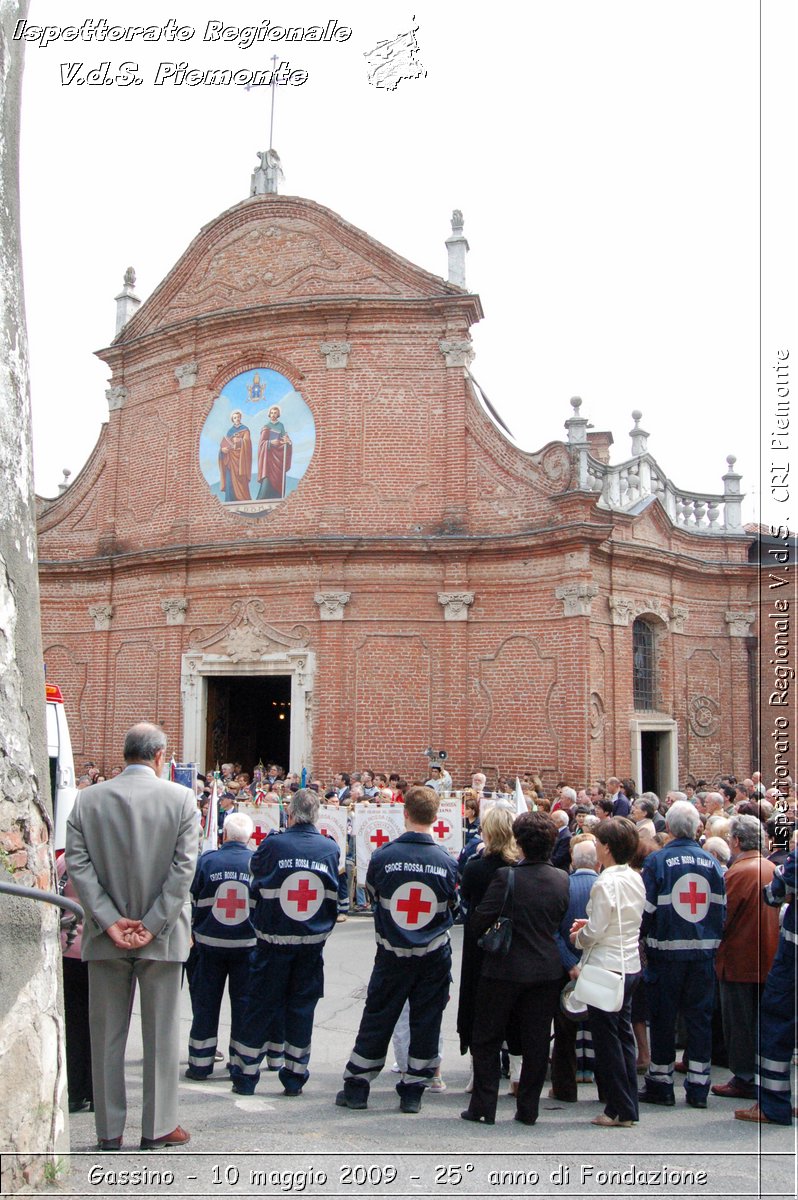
[[580, 885], [780, 890], [413, 882], [295, 884], [221, 901], [685, 902]]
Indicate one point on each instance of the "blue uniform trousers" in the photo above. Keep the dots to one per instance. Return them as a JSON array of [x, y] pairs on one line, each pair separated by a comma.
[[777, 1037], [686, 986], [423, 980], [211, 970], [286, 983]]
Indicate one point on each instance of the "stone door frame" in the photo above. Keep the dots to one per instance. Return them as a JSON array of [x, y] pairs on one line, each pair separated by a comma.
[[200, 665], [670, 752]]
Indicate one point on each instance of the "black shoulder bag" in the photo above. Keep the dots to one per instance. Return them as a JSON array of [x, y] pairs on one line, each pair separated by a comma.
[[497, 937]]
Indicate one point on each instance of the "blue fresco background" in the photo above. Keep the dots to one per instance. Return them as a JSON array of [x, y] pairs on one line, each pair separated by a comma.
[[294, 414]]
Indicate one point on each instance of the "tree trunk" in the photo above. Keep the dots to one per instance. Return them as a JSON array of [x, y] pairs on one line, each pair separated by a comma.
[[32, 1126]]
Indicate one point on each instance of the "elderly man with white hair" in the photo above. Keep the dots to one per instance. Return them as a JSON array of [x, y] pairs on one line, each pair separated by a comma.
[[561, 851], [750, 941], [223, 938], [682, 926]]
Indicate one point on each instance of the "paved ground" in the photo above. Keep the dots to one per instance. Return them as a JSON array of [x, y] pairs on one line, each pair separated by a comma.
[[251, 1145]]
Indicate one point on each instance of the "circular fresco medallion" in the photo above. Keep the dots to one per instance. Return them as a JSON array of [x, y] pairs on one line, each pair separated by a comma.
[[257, 442]]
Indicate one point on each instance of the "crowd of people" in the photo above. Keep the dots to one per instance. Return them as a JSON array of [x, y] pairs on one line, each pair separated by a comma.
[[677, 899]]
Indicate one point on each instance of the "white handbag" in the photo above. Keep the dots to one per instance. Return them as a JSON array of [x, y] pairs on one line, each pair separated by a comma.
[[596, 985]]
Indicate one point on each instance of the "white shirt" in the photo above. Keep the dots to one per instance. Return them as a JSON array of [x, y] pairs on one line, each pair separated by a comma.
[[613, 943]]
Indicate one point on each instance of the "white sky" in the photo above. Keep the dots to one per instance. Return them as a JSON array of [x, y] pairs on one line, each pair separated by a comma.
[[605, 156]]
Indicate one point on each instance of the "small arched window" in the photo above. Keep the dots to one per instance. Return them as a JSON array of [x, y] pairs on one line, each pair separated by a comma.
[[643, 664]]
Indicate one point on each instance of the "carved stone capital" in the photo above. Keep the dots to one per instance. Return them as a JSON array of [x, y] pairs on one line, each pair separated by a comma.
[[678, 617], [457, 354], [101, 615], [621, 608], [740, 623], [336, 353], [577, 598], [455, 605], [331, 605], [116, 397], [186, 374], [175, 610]]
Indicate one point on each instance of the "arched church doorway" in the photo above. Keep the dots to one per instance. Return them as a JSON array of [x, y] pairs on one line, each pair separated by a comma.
[[248, 720]]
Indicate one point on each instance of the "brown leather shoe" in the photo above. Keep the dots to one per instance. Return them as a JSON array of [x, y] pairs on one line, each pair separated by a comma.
[[754, 1113], [110, 1143], [178, 1137], [733, 1091]]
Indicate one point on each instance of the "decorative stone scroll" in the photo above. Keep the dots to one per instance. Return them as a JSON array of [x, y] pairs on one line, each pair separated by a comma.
[[455, 605], [457, 354], [740, 623], [101, 615], [175, 610], [336, 353], [186, 374], [116, 397], [624, 609], [577, 598], [331, 605]]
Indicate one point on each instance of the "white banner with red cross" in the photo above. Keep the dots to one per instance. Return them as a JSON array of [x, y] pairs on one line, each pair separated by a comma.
[[332, 823], [447, 828], [375, 825], [265, 818]]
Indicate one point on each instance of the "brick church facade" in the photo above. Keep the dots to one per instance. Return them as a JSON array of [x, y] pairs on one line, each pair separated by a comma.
[[305, 536]]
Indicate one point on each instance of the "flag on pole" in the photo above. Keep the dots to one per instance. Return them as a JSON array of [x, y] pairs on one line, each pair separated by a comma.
[[521, 805], [210, 828]]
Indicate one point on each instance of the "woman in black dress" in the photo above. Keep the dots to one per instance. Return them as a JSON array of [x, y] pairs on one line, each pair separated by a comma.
[[500, 851]]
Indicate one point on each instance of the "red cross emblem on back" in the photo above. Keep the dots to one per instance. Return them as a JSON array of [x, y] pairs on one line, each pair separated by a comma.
[[691, 897], [231, 902], [413, 905], [301, 895]]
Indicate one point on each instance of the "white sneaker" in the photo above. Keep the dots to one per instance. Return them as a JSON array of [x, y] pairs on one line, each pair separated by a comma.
[[397, 1070], [437, 1085]]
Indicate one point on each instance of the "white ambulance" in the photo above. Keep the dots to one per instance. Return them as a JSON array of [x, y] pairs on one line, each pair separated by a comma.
[[62, 767]]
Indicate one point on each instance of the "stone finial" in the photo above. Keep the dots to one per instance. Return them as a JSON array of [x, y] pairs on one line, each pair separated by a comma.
[[576, 598], [266, 177], [127, 301], [733, 517], [62, 487], [455, 605], [331, 605], [186, 374], [639, 436], [457, 248], [740, 623], [116, 397], [101, 615], [175, 610], [577, 426], [336, 353], [457, 354]]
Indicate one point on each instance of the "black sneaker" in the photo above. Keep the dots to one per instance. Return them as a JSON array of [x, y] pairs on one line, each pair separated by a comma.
[[410, 1102], [696, 1103], [664, 1101], [190, 1073], [240, 1090], [344, 1101]]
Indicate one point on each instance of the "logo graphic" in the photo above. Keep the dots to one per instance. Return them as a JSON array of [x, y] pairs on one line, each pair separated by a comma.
[[413, 905], [231, 902], [690, 897], [301, 895], [393, 60]]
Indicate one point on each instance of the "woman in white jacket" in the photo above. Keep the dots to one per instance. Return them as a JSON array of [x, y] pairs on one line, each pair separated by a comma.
[[610, 933]]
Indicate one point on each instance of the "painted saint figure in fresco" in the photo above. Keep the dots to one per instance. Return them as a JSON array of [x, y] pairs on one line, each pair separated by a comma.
[[274, 457], [235, 460]]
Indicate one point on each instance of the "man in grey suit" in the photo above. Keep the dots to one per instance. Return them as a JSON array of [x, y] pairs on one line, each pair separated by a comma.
[[131, 849]]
